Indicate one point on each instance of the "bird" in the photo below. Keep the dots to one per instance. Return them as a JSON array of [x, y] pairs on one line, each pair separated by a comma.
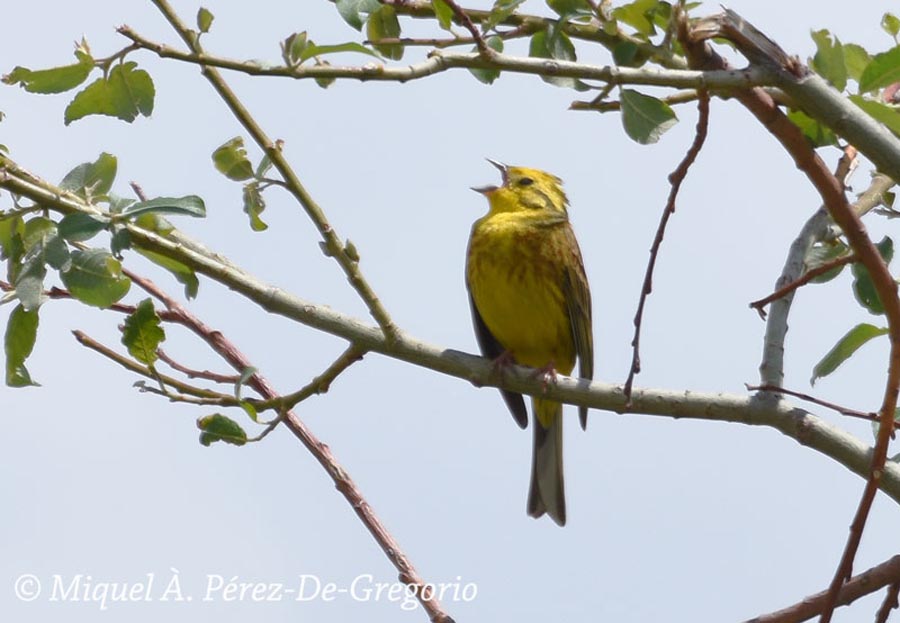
[[531, 304]]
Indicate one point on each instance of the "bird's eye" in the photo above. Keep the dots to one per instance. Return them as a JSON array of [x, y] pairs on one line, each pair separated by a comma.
[[526, 181]]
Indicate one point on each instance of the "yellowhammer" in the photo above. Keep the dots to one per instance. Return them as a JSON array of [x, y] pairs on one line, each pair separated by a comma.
[[530, 300]]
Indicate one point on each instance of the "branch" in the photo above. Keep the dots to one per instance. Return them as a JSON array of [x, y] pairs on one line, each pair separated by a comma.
[[442, 61], [808, 276], [771, 368], [591, 31], [876, 578], [799, 83], [196, 374], [675, 179], [333, 243], [791, 421], [205, 396], [863, 415]]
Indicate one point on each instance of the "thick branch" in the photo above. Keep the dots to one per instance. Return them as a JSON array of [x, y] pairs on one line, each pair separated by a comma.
[[791, 421]]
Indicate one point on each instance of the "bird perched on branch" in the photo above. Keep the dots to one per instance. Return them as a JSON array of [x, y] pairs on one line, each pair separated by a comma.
[[531, 303]]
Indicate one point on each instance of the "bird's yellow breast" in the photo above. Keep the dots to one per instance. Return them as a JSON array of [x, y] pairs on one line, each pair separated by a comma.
[[514, 271]]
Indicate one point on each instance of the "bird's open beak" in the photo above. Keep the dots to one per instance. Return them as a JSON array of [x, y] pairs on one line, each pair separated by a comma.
[[500, 166], [486, 190]]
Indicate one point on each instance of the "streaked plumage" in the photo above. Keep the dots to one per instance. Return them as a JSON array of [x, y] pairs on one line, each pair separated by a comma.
[[530, 297]]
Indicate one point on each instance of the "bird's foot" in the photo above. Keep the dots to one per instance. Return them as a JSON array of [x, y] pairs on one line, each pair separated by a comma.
[[547, 374]]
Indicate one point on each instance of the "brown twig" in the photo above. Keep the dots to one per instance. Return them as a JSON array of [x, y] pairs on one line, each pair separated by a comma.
[[864, 415], [890, 603], [463, 18], [514, 33], [801, 281], [210, 397], [871, 580], [789, 71], [197, 374], [675, 179], [322, 453]]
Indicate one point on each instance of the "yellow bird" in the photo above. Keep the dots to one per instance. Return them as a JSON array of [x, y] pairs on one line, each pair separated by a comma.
[[531, 301]]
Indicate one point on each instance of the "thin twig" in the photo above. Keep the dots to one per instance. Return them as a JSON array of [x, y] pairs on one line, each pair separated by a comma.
[[199, 392], [197, 374], [675, 179], [463, 18], [867, 582], [864, 415], [801, 281], [890, 602], [513, 33]]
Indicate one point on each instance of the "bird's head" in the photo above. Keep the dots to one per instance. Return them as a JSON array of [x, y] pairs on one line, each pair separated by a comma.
[[525, 190]]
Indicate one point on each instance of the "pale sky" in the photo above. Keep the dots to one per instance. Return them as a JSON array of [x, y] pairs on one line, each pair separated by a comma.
[[667, 520]]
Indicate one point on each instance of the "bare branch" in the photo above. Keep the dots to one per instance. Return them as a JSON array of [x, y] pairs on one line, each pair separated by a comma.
[[874, 579], [800, 83], [675, 179]]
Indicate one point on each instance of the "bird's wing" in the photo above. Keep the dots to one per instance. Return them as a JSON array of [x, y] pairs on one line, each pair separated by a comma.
[[491, 348], [578, 302]]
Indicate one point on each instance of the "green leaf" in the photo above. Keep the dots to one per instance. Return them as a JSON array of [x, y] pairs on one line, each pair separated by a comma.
[[263, 167], [254, 204], [487, 76], [182, 272], [829, 59], [125, 93], [891, 24], [863, 286], [292, 47], [204, 19], [12, 247], [443, 12], [231, 160], [190, 205], [79, 226], [29, 282], [625, 54], [383, 24], [250, 410], [645, 118], [499, 12], [21, 334], [555, 44], [822, 253], [884, 69], [568, 8], [844, 349], [817, 134], [320, 50], [639, 15], [92, 179], [217, 427], [55, 80], [856, 59], [95, 278], [888, 115], [119, 241], [353, 10], [142, 333]]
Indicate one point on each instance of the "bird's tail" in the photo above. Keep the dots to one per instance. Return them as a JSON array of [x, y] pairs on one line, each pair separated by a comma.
[[547, 491]]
